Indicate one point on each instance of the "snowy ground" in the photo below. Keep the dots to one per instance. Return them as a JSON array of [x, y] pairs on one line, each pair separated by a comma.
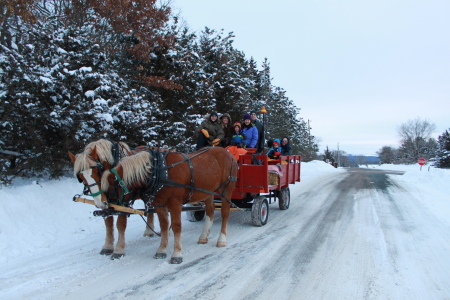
[[49, 246]]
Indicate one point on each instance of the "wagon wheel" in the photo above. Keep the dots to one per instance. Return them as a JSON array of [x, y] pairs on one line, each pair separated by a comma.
[[284, 198], [195, 216], [260, 211]]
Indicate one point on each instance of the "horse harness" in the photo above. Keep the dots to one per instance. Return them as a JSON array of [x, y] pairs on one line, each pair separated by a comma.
[[159, 177]]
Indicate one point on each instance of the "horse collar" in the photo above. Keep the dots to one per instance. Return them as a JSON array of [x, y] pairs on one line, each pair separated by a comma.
[[158, 174]]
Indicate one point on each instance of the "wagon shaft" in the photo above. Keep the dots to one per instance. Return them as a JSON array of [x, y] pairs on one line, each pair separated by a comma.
[[114, 206]]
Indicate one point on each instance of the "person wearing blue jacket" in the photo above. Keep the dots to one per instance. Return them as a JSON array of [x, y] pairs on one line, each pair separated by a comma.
[[250, 131], [238, 138], [275, 151]]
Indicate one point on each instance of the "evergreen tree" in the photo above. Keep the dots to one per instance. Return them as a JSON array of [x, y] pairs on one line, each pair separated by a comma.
[[75, 71], [327, 156], [443, 150], [387, 155]]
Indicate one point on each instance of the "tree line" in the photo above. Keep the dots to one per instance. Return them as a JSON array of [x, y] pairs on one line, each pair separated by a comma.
[[73, 71], [416, 142]]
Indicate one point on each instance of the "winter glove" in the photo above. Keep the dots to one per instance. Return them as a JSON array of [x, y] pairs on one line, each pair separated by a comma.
[[277, 154], [205, 133], [216, 142]]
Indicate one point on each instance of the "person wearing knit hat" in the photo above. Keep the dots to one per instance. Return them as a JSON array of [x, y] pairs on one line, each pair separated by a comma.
[[250, 131], [237, 141], [210, 132], [260, 127], [275, 151], [238, 137]]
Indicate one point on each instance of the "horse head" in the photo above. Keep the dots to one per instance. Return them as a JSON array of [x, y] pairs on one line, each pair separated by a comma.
[[112, 184], [89, 170]]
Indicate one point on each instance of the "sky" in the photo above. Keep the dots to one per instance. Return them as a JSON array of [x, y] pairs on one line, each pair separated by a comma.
[[50, 246], [357, 69]]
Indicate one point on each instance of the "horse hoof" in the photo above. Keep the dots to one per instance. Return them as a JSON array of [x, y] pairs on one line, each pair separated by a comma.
[[176, 260], [221, 244], [203, 241], [160, 255], [106, 251], [116, 256]]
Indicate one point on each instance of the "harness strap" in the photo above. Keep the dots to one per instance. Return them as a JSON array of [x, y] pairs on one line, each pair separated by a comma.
[[115, 151], [159, 177], [158, 173], [122, 185], [191, 168], [203, 150]]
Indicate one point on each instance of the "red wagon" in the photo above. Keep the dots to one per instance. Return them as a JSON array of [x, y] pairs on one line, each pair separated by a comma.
[[260, 182]]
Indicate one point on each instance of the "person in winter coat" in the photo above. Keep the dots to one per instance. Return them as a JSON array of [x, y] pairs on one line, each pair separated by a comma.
[[237, 141], [209, 132], [250, 131], [238, 138], [260, 127], [227, 127], [275, 151], [287, 150]]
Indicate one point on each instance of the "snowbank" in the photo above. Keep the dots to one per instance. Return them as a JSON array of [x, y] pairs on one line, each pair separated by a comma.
[[40, 217]]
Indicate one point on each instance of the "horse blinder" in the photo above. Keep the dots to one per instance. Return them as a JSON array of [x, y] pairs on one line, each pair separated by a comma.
[[113, 192]]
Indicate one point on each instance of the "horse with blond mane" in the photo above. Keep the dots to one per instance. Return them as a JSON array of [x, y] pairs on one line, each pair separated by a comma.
[[175, 179], [88, 168]]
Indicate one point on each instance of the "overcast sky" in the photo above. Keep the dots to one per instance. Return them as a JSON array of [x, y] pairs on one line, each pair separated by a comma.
[[357, 69]]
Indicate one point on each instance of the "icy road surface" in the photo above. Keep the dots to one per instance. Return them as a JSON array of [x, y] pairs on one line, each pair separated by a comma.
[[354, 234]]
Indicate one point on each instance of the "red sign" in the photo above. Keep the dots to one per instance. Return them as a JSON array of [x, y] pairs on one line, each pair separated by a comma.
[[421, 161]]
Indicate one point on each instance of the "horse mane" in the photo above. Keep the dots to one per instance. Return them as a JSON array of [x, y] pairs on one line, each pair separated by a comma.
[[126, 151], [84, 161], [135, 169]]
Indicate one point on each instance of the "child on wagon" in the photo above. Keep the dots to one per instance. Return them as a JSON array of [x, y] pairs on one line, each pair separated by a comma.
[[237, 142], [275, 151]]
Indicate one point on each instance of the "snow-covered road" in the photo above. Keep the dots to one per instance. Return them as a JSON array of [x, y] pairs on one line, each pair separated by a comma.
[[355, 234]]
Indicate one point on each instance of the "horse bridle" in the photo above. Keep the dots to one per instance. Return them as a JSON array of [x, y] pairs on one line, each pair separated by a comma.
[[86, 189], [101, 168], [113, 190]]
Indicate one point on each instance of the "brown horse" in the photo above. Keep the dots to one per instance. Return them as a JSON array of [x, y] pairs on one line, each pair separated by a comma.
[[89, 169], [189, 179]]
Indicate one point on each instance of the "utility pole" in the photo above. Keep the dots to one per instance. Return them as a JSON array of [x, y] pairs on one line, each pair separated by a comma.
[[339, 156]]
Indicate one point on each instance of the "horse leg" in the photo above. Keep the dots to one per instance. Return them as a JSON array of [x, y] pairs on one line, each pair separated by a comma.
[[175, 207], [108, 247], [119, 251], [225, 212], [150, 225], [209, 202], [163, 216]]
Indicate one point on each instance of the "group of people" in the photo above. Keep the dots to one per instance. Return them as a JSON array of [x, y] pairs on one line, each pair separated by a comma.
[[215, 131], [277, 149]]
